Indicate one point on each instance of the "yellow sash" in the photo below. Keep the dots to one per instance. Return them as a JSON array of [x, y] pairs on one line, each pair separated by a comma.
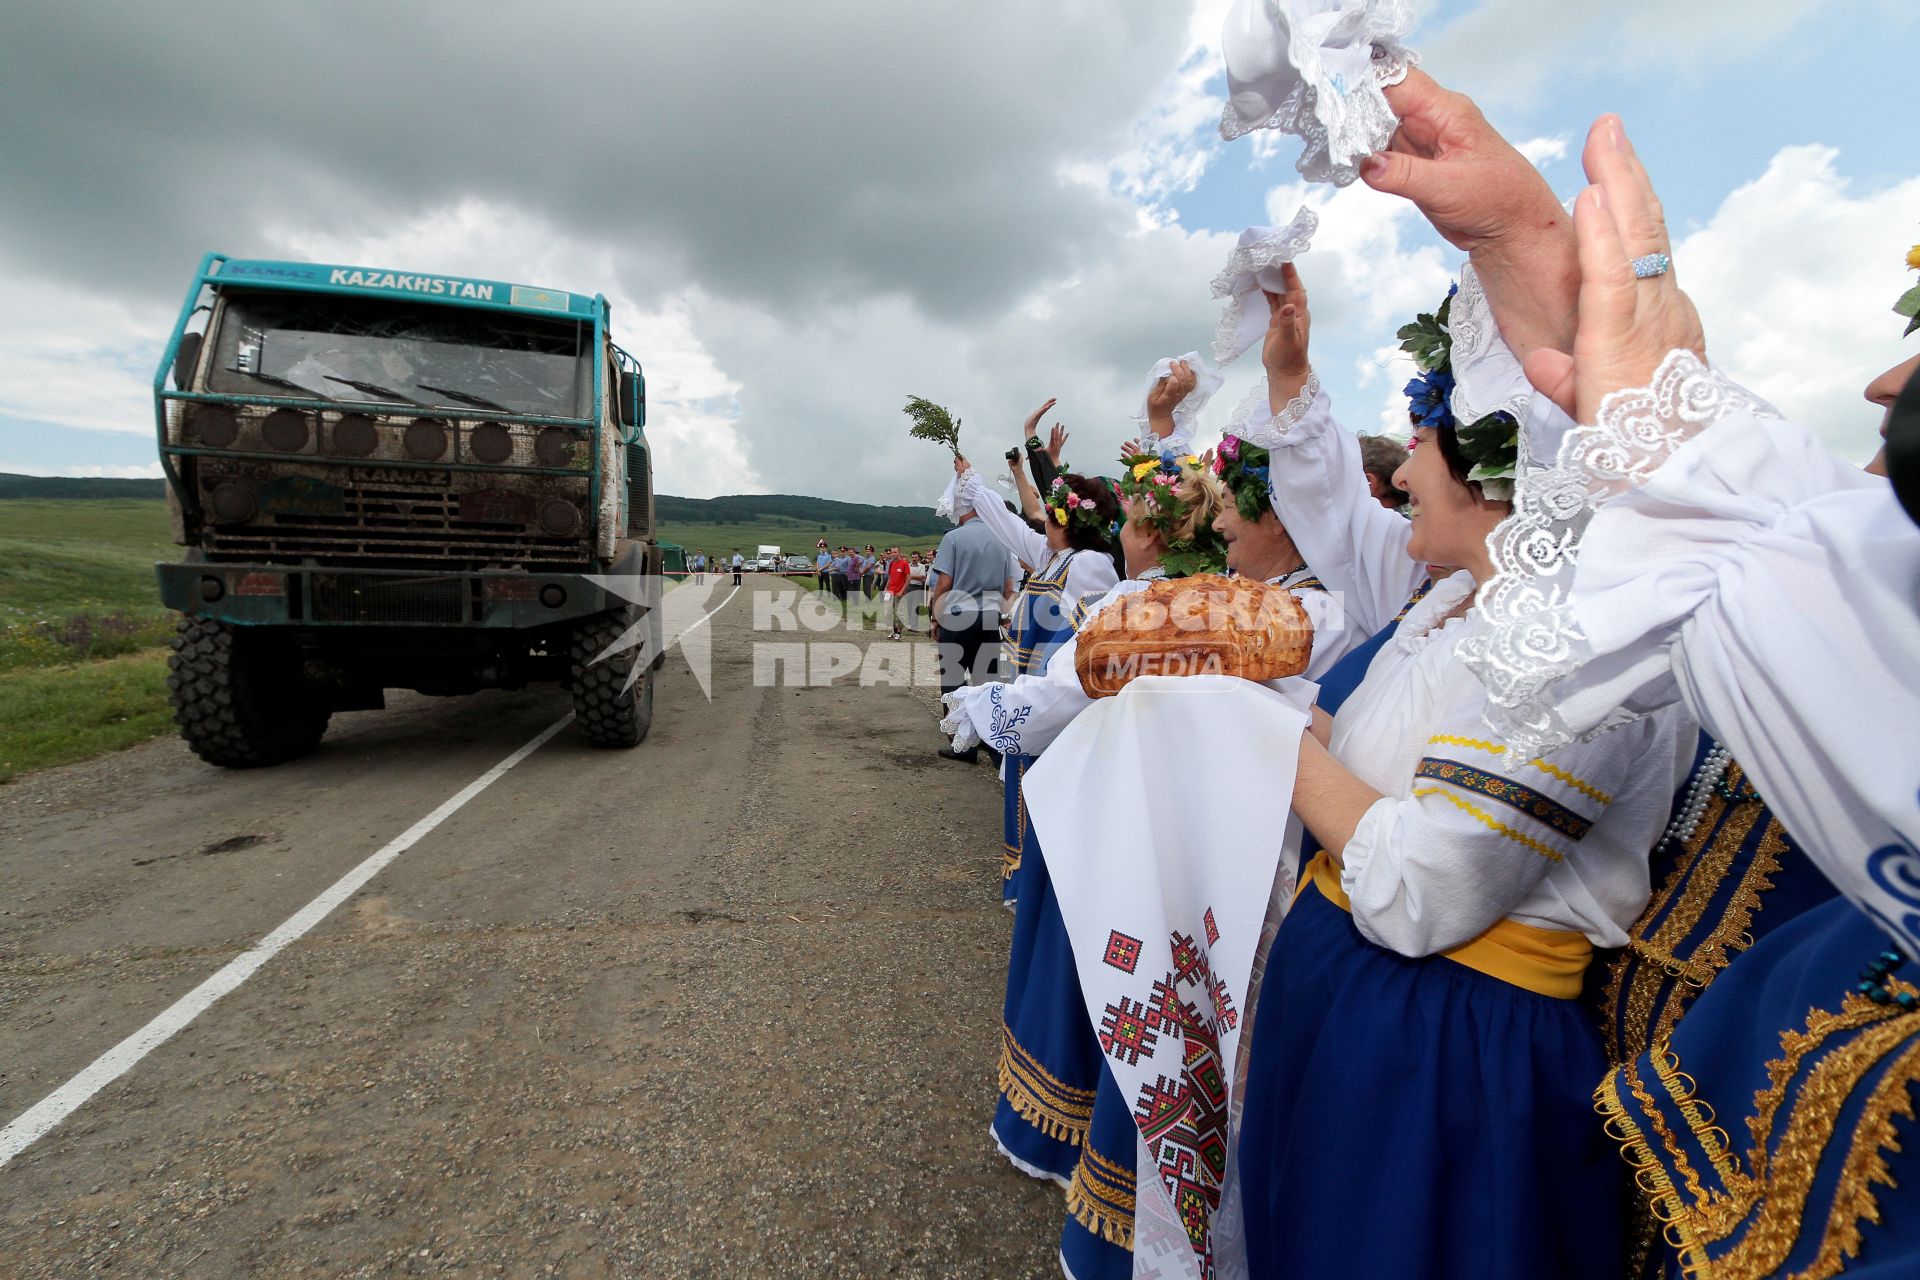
[[1546, 961]]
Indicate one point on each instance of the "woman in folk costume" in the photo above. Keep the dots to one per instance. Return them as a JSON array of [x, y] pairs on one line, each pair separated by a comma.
[[1419, 1007], [1776, 591], [1074, 561]]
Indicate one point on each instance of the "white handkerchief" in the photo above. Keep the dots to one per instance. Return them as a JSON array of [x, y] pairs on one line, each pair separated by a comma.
[[1253, 266], [1207, 380], [1315, 69], [948, 498]]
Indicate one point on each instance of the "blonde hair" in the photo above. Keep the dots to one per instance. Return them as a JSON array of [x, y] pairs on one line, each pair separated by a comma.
[[1204, 497]]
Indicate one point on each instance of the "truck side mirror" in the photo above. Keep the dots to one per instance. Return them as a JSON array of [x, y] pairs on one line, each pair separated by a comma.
[[185, 358], [633, 398]]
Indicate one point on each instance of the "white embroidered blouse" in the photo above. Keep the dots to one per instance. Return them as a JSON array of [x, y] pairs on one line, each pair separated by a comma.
[[1465, 835]]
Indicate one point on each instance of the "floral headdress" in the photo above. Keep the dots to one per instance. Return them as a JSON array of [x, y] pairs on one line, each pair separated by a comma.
[[1492, 443], [1161, 490], [1909, 304], [1243, 468], [1068, 508]]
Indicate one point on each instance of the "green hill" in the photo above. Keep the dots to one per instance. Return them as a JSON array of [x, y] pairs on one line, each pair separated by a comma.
[[12, 486], [748, 517]]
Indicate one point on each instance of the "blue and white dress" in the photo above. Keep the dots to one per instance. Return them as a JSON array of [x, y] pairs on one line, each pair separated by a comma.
[[1774, 1134], [1418, 1031]]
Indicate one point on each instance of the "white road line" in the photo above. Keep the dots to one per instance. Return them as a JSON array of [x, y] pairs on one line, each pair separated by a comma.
[[38, 1120], [705, 617]]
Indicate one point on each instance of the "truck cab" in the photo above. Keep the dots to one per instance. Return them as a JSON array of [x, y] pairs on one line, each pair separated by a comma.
[[384, 480]]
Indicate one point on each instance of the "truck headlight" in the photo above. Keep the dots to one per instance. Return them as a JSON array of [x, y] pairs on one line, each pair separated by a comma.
[[285, 430], [554, 447], [425, 439], [214, 426], [490, 442], [355, 435], [232, 503], [559, 517]]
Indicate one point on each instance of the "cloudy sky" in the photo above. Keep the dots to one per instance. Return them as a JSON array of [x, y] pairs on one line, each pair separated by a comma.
[[802, 214]]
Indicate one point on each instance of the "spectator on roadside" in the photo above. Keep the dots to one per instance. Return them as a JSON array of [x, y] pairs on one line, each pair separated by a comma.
[[823, 566], [739, 563], [856, 573], [917, 570], [972, 579], [897, 574], [837, 574]]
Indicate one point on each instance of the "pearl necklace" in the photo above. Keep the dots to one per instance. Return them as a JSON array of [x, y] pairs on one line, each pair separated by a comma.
[[1699, 789]]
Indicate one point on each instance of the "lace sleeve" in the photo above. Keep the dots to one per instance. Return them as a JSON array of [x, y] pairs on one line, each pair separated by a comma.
[[1009, 528], [1355, 546], [1537, 636], [1255, 422]]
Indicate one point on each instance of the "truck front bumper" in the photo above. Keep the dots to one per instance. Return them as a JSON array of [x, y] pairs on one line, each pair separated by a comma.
[[279, 595]]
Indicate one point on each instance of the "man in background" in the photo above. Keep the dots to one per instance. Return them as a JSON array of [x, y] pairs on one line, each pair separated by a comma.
[[895, 588], [739, 563], [1380, 457], [823, 565], [970, 583]]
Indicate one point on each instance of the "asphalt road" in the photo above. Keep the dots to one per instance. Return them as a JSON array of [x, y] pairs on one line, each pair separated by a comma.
[[723, 1005]]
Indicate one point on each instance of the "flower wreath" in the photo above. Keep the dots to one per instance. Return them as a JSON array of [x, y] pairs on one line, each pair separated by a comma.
[[1155, 485], [1068, 508], [1243, 468], [1909, 304], [1491, 444]]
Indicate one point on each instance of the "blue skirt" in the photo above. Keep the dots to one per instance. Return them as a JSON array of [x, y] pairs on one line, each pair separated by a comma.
[[1097, 1241], [1013, 825], [1419, 1120], [1050, 1061]]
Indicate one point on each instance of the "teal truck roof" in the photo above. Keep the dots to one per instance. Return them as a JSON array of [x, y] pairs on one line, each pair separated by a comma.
[[324, 277]]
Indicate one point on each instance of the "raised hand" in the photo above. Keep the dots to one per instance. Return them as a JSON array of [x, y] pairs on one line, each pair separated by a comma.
[[1284, 350], [1627, 325], [1033, 419], [1056, 443], [960, 464], [1166, 396], [1483, 196]]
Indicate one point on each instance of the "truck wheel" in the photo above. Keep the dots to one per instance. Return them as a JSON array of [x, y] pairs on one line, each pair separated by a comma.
[[239, 696], [610, 713]]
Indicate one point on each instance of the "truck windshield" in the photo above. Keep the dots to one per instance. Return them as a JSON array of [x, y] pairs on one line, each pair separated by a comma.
[[375, 351]]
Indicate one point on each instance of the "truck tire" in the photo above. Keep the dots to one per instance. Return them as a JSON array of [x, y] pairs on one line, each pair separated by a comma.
[[239, 696], [608, 712]]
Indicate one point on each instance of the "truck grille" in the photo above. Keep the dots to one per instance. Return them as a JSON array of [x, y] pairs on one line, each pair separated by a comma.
[[372, 597], [280, 511]]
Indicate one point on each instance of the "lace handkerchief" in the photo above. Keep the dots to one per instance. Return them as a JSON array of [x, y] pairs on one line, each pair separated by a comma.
[[1254, 265], [1315, 69], [1207, 380]]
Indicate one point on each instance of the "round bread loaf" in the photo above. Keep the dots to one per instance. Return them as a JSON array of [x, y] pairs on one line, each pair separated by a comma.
[[1202, 625]]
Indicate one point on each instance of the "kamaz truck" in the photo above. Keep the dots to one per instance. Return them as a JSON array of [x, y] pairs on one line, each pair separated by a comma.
[[388, 480]]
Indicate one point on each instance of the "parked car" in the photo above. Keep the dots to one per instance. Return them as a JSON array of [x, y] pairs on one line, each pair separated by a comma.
[[797, 564]]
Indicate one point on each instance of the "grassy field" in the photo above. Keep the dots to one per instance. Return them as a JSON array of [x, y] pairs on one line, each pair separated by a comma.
[[794, 538], [83, 636], [82, 633]]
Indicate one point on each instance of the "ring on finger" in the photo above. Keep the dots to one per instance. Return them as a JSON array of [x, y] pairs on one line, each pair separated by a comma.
[[1650, 265]]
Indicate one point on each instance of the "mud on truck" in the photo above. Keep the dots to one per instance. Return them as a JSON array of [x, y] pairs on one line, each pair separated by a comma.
[[386, 481]]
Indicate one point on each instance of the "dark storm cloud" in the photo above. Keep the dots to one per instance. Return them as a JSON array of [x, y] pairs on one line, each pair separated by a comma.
[[784, 154]]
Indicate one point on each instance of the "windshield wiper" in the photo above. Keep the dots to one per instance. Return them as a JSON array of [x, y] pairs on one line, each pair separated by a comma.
[[465, 397], [373, 389], [278, 381]]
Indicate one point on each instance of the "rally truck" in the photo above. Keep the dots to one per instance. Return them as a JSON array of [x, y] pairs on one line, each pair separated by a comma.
[[389, 480]]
